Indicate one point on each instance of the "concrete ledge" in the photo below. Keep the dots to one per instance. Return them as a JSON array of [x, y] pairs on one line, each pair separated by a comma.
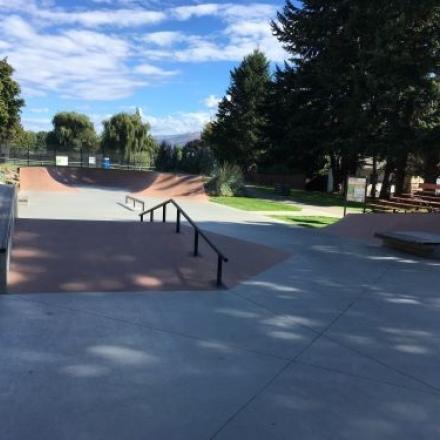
[[8, 212], [419, 243]]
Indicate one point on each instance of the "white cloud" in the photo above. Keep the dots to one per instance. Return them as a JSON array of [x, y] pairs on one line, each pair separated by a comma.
[[64, 52], [253, 11], [212, 102], [154, 71], [187, 12], [247, 27], [38, 110], [79, 64], [163, 39], [178, 123], [124, 17]]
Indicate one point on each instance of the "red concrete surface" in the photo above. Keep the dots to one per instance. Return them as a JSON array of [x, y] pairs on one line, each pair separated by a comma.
[[141, 183], [50, 256], [364, 226]]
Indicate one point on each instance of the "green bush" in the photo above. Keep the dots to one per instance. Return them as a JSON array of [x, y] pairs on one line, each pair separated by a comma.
[[227, 181]]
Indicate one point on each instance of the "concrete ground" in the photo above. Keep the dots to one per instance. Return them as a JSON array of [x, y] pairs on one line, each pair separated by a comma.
[[340, 341]]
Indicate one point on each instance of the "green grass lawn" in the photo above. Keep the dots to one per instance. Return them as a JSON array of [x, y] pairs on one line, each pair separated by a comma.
[[313, 198], [308, 221], [254, 204]]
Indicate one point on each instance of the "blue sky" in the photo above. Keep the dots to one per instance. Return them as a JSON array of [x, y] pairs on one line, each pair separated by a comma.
[[170, 58]]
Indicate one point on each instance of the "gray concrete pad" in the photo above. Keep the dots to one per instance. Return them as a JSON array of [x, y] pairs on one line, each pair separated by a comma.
[[75, 376], [328, 354], [398, 323], [340, 341], [219, 318], [312, 403]]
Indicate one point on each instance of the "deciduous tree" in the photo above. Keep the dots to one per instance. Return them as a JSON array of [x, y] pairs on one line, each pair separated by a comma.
[[73, 132], [127, 135]]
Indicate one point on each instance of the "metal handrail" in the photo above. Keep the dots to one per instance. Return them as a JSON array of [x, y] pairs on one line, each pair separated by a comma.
[[221, 258], [135, 200]]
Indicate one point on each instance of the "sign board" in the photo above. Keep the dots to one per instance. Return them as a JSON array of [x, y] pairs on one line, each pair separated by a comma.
[[62, 161], [92, 160], [106, 163], [356, 189]]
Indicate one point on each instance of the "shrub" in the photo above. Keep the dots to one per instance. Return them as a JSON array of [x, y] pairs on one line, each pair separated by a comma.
[[227, 181]]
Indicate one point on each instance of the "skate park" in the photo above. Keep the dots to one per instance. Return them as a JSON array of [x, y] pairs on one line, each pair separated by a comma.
[[112, 327]]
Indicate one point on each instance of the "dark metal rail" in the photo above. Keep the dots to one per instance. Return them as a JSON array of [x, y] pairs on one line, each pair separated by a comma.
[[135, 200], [197, 233]]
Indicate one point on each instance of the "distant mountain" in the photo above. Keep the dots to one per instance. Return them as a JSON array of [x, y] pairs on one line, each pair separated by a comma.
[[178, 139]]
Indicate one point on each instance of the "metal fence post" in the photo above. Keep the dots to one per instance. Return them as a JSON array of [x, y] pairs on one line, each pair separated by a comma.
[[164, 219]]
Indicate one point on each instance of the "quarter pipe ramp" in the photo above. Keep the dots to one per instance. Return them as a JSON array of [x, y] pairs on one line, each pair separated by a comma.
[[141, 183]]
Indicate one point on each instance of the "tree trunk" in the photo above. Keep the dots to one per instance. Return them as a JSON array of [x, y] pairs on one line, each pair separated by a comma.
[[386, 184], [349, 168], [374, 178], [336, 169], [401, 166]]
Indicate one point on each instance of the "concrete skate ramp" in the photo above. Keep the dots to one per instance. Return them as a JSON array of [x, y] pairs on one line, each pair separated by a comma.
[[142, 183], [364, 226], [51, 256]]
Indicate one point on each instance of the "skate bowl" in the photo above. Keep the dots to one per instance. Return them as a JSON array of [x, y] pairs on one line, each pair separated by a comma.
[[365, 226], [141, 183]]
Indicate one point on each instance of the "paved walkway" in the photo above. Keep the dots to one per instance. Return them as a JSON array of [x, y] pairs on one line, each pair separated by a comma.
[[340, 341]]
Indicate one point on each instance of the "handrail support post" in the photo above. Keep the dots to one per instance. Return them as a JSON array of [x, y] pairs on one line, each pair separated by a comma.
[[219, 271], [197, 233], [178, 222], [196, 243]]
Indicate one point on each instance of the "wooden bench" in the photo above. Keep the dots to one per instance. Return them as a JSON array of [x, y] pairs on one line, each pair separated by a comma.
[[414, 242], [8, 210], [432, 203], [395, 206], [414, 203], [378, 207]]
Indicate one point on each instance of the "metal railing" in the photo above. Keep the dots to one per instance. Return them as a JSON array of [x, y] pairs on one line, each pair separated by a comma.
[[8, 214], [197, 233], [135, 200]]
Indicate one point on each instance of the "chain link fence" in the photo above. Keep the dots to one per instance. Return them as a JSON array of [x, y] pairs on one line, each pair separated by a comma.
[[80, 159]]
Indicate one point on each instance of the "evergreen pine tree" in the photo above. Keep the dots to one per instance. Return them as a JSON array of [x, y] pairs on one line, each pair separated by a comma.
[[364, 79], [238, 134]]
